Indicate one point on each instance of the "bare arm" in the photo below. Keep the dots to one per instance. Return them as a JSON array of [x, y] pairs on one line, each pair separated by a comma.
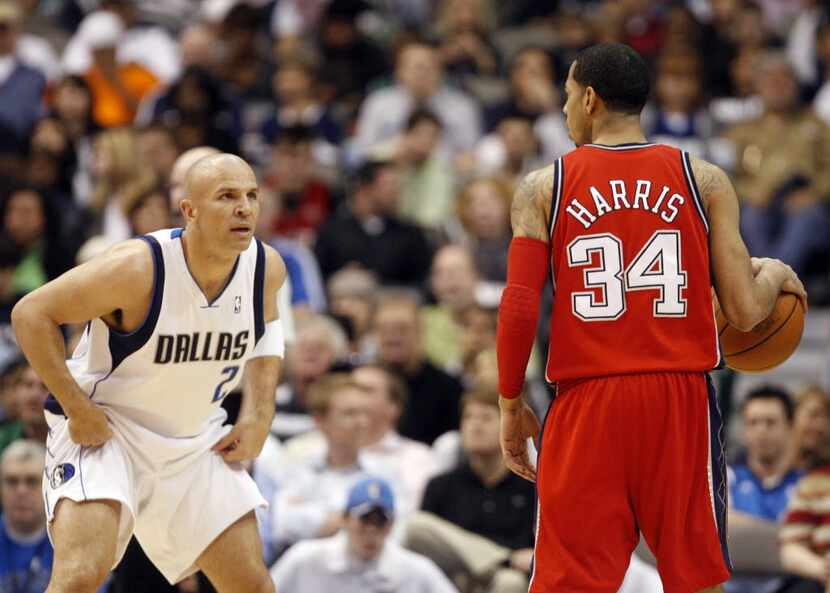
[[120, 280], [745, 297], [256, 413], [530, 211]]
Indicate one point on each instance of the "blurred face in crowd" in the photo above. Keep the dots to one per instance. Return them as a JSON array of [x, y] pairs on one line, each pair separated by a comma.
[[30, 394], [158, 149], [578, 122], [398, 334], [743, 71], [9, 30], [351, 295], [479, 334], [454, 278], [151, 215], [312, 354], [419, 70], [518, 138], [346, 422], [488, 217], [383, 412], [723, 11], [22, 502], [292, 85], [480, 425], [464, 15], [422, 139], [367, 534], [72, 102], [292, 164], [24, 219], [777, 87], [678, 85], [766, 430], [485, 372], [386, 190], [812, 422], [531, 65]]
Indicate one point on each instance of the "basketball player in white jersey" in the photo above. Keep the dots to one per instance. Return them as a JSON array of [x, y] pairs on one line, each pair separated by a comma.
[[136, 440]]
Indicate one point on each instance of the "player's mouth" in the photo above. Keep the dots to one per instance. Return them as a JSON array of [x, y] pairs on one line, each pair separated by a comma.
[[241, 230]]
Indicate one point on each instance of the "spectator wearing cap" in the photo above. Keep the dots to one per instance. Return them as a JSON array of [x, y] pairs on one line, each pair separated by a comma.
[[367, 232], [21, 86], [117, 87], [419, 83], [361, 559]]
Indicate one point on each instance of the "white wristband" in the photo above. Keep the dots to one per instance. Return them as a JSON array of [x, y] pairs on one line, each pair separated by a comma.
[[272, 342]]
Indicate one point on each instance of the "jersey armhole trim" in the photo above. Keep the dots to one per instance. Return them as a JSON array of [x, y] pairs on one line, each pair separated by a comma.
[[692, 186], [259, 292], [122, 345], [556, 200]]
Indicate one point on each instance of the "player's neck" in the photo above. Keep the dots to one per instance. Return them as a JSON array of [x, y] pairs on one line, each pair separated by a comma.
[[611, 131], [209, 269]]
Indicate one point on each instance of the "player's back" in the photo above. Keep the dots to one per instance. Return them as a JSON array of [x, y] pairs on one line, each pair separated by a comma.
[[630, 262]]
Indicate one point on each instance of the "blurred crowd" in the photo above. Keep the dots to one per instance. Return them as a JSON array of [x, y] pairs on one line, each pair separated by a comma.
[[388, 136]]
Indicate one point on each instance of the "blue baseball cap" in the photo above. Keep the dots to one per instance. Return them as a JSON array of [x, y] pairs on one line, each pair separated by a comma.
[[371, 494]]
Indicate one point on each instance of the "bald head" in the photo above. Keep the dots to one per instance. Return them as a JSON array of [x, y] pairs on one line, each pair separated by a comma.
[[180, 168], [213, 170]]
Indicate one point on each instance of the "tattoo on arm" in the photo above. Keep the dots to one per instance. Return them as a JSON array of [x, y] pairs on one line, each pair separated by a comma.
[[530, 212], [711, 180]]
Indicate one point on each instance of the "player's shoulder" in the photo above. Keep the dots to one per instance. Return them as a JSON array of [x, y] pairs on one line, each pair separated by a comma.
[[709, 178], [131, 259], [537, 183]]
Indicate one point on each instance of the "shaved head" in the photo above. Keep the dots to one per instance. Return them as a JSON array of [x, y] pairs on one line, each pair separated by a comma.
[[180, 168], [215, 170]]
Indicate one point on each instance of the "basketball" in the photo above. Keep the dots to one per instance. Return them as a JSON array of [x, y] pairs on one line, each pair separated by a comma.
[[769, 343]]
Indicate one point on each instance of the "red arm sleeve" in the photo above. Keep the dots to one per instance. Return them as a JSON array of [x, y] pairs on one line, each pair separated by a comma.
[[528, 261]]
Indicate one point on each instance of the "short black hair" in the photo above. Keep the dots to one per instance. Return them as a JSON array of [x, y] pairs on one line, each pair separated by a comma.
[[368, 172], [420, 115], [771, 392], [617, 73]]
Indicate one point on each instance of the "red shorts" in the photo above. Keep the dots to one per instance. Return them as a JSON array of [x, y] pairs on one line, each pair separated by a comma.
[[627, 454]]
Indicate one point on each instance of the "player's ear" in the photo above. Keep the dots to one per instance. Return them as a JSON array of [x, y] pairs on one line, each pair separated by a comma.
[[187, 208], [589, 100]]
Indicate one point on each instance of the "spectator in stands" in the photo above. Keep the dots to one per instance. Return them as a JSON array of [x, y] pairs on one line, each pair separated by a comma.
[[804, 544], [72, 105], [744, 103], [350, 59], [120, 175], [117, 87], [718, 46], [419, 82], [432, 406], [157, 147], [811, 428], [761, 484], [29, 394], [511, 152], [679, 118], [352, 295], [478, 519], [362, 558], [464, 28], [305, 198], [34, 48], [427, 178], [10, 258], [297, 104], [316, 481], [366, 231], [478, 334], [533, 95], [483, 209], [21, 86], [25, 551], [245, 65], [149, 212], [31, 222], [200, 109], [319, 344], [52, 160], [453, 280]]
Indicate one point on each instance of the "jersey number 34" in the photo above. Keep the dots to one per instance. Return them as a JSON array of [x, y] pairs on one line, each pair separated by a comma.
[[657, 266]]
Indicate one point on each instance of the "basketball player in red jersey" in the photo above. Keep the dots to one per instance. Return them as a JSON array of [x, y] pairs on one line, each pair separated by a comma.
[[633, 440]]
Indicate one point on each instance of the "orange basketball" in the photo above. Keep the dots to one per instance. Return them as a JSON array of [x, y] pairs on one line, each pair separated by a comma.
[[769, 343]]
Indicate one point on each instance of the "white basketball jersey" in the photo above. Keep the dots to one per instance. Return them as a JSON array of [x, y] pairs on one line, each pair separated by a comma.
[[170, 375]]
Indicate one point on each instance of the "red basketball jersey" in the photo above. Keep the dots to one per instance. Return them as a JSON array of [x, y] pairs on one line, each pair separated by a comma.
[[630, 265]]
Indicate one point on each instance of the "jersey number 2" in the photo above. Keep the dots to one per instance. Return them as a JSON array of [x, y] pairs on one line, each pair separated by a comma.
[[229, 373], [657, 266]]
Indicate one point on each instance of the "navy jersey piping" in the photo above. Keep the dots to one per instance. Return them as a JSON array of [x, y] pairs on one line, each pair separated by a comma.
[[122, 345], [692, 186], [556, 200], [259, 292]]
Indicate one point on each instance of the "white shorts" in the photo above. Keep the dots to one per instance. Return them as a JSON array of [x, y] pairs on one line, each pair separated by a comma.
[[176, 494]]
